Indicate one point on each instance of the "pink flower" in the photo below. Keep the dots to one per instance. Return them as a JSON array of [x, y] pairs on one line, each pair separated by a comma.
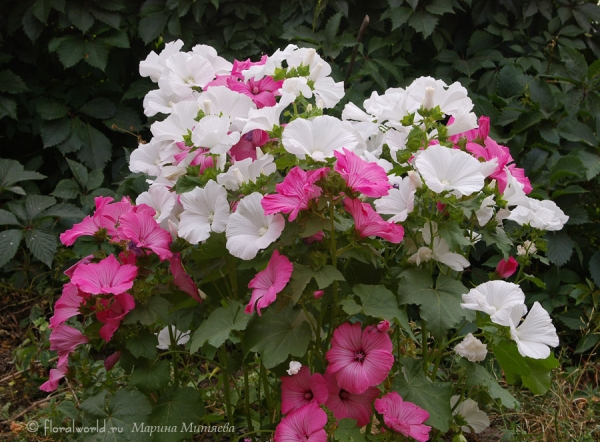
[[182, 280], [359, 359], [67, 305], [403, 417], [107, 276], [302, 389], [64, 339], [111, 360], [306, 424], [268, 282], [362, 176], [246, 147], [479, 134], [369, 223], [350, 405], [294, 193], [114, 310], [69, 272], [318, 294], [506, 268], [317, 237], [383, 326], [262, 92], [140, 227], [56, 374]]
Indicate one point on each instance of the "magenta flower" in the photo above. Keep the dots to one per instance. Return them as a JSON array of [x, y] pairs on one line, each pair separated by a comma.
[[182, 280], [301, 389], [262, 92], [350, 405], [64, 339], [246, 147], [67, 305], [361, 176], [506, 268], [305, 424], [294, 193], [358, 359], [479, 134], [268, 282], [403, 417], [143, 231], [114, 310], [107, 276], [55, 375], [111, 360], [369, 223]]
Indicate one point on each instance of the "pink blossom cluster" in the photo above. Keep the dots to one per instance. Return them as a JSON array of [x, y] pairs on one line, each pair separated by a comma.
[[101, 286], [359, 360]]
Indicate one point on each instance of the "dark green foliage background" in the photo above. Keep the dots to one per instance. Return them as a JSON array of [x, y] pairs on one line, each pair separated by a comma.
[[70, 90]]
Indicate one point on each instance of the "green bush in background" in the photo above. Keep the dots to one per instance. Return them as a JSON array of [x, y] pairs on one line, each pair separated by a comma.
[[71, 105]]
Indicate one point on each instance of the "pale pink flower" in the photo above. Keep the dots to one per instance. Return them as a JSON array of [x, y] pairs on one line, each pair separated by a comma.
[[357, 406], [306, 424], [106, 276], [268, 282], [294, 193], [181, 279], [140, 227], [369, 223], [56, 374], [64, 340], [507, 267], [359, 359], [114, 310], [301, 389], [361, 176], [403, 417], [67, 305]]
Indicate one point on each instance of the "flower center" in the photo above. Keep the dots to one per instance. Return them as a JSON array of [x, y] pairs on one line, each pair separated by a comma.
[[255, 90], [210, 217], [262, 231], [359, 355], [344, 394], [445, 182], [308, 395]]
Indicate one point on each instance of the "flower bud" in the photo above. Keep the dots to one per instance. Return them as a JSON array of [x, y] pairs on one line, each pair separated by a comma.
[[507, 268]]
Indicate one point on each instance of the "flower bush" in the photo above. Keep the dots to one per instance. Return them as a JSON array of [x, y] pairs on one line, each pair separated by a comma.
[[357, 246]]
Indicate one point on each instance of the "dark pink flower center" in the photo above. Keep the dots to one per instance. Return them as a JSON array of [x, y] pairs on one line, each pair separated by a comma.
[[360, 355], [255, 90], [344, 394], [308, 395]]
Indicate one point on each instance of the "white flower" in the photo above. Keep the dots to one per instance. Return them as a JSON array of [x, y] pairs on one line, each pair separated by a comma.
[[222, 101], [441, 250], [295, 87], [266, 117], [205, 210], [147, 158], [219, 64], [424, 254], [213, 132], [160, 199], [164, 337], [246, 171], [496, 298], [186, 72], [159, 101], [154, 64], [250, 230], [178, 123], [328, 91], [317, 138], [471, 348], [486, 211], [536, 334], [543, 215], [295, 367], [513, 192], [470, 412], [398, 202], [453, 170], [429, 93], [528, 248]]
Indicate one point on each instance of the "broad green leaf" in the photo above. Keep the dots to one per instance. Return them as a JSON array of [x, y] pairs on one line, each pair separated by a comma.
[[301, 276], [594, 267], [101, 108], [9, 243], [542, 95], [115, 38], [112, 19], [560, 247], [567, 166], [153, 309], [32, 26], [574, 62], [478, 376], [79, 172], [96, 178], [70, 49], [399, 16], [347, 431], [415, 387], [41, 10], [36, 204], [143, 345], [573, 130], [508, 82], [66, 189], [49, 109], [152, 26], [379, 303], [55, 131], [439, 7], [423, 22], [326, 275], [8, 108], [96, 150], [591, 162], [80, 15], [12, 172], [65, 210], [96, 54], [350, 307], [276, 335], [177, 406], [439, 305], [219, 325], [8, 218], [42, 245], [151, 377], [11, 83], [126, 118]]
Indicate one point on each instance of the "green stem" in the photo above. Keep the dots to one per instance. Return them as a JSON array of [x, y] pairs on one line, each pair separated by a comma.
[[247, 399], [226, 386], [263, 376], [424, 349]]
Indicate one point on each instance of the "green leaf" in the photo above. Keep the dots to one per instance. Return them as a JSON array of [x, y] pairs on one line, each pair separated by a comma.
[[36, 204], [51, 110], [439, 306], [8, 218], [573, 130], [415, 387], [11, 172], [152, 377], [508, 82], [143, 345], [101, 108], [423, 22], [96, 150], [439, 7], [11, 83], [347, 431], [96, 54], [96, 178], [326, 275], [42, 245], [67, 189], [478, 376], [542, 95], [152, 26], [399, 16], [112, 19], [301, 276], [55, 131], [591, 162], [79, 172], [70, 49], [41, 10], [65, 210], [8, 108], [177, 406], [574, 62], [80, 15], [219, 325], [115, 38], [276, 334], [594, 267], [152, 310], [9, 243], [560, 247]]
